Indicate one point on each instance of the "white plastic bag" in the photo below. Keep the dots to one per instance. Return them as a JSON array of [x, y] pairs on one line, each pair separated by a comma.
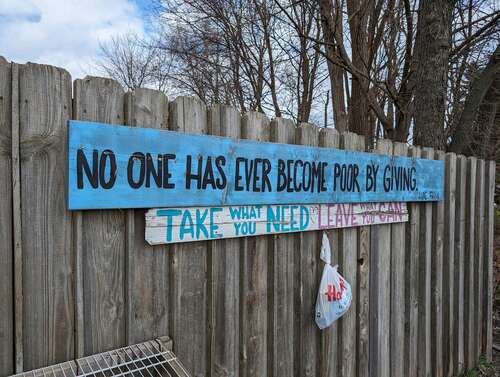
[[334, 295]]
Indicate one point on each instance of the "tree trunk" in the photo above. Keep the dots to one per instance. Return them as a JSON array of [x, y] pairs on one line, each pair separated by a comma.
[[432, 49], [485, 90]]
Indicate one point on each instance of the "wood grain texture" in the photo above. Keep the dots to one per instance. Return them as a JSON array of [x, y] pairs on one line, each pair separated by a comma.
[[449, 285], [425, 289], [6, 231], [412, 283], [48, 320], [188, 278], [489, 219], [100, 243], [397, 318], [479, 259], [459, 264], [307, 274], [469, 264], [437, 283], [224, 270], [17, 224], [380, 290], [147, 267], [348, 266], [281, 277], [329, 356], [254, 278]]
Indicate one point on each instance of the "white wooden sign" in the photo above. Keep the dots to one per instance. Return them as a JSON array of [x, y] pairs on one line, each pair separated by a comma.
[[172, 225]]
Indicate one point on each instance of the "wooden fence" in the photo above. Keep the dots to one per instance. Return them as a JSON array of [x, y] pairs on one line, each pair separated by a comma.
[[77, 283]]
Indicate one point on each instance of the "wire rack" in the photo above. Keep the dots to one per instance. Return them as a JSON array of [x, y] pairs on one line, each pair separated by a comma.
[[148, 359]]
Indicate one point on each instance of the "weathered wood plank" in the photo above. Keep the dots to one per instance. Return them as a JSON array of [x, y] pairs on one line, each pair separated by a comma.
[[437, 283], [209, 171], [6, 249], [188, 279], [425, 289], [308, 277], [459, 264], [469, 264], [449, 285], [348, 257], [17, 224], [489, 220], [100, 243], [397, 318], [380, 290], [253, 278], [412, 283], [224, 265], [176, 225], [48, 307], [147, 268], [281, 270], [479, 259], [329, 357]]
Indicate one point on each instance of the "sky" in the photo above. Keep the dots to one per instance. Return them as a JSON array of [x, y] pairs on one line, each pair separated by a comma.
[[66, 33]]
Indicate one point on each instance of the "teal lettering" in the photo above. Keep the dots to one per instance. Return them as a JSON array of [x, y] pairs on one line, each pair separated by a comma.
[[186, 218], [304, 217], [273, 218], [169, 214], [200, 226], [235, 212], [214, 227]]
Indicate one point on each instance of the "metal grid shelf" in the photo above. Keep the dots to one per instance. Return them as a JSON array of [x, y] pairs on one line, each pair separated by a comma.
[[148, 359]]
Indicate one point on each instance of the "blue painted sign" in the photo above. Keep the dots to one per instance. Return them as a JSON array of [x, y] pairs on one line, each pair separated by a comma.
[[122, 167]]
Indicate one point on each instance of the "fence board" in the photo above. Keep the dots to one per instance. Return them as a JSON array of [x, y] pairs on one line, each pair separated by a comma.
[[253, 277], [469, 262], [46, 225], [6, 249], [147, 272], [380, 290], [489, 220], [329, 137], [412, 283], [449, 285], [479, 253], [459, 294], [188, 267], [100, 243], [397, 318], [437, 283], [307, 278], [224, 264], [348, 268], [281, 280]]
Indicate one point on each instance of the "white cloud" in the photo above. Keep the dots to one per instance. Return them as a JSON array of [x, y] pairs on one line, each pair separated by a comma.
[[65, 33]]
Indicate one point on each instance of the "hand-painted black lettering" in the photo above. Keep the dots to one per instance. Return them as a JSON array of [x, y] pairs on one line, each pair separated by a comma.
[[83, 164], [136, 157], [107, 154], [166, 174], [221, 181]]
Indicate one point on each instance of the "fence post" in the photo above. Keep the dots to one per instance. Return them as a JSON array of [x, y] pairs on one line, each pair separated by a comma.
[[99, 238], [281, 281], [380, 290], [188, 263], [253, 277], [329, 357], [479, 253], [146, 267], [398, 277], [7, 309], [449, 260], [469, 262], [224, 271]]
